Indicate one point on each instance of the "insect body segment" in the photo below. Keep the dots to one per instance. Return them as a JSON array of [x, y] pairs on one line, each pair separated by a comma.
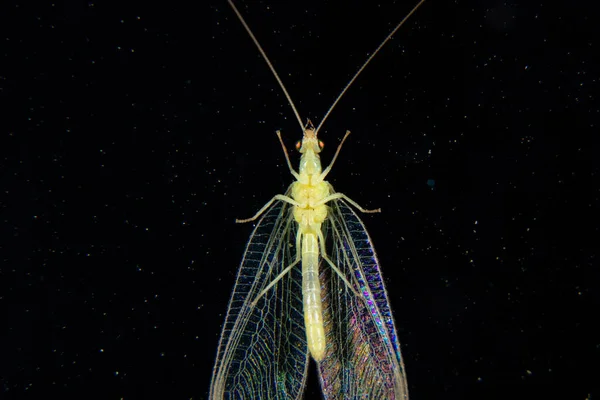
[[311, 295], [310, 191]]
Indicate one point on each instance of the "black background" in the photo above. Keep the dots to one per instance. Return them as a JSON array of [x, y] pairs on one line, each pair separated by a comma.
[[132, 136]]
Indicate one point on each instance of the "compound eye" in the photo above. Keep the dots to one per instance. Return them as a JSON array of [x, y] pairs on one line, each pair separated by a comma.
[[321, 144], [298, 144]]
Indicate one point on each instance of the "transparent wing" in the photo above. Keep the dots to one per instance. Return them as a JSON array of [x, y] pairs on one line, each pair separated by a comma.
[[262, 351], [363, 359]]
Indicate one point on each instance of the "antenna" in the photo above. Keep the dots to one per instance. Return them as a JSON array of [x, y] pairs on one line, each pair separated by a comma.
[[367, 63], [287, 95], [262, 52]]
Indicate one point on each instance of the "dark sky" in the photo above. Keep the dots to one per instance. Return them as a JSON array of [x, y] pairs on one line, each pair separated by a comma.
[[132, 135]]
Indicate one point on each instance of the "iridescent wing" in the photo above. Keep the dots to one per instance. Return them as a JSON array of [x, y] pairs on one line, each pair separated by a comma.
[[262, 351], [363, 359]]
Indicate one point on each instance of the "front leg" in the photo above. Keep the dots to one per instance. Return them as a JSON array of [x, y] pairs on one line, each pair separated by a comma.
[[279, 197]]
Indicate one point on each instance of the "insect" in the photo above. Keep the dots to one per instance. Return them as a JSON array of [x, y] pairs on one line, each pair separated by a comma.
[[309, 283]]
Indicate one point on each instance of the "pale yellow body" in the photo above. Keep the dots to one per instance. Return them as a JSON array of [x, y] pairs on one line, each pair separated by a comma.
[[310, 192]]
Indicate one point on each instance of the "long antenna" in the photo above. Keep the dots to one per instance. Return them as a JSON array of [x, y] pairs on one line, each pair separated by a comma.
[[268, 62], [365, 64], [287, 95]]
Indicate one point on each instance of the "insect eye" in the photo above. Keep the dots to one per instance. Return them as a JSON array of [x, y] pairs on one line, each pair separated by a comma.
[[298, 144], [321, 144]]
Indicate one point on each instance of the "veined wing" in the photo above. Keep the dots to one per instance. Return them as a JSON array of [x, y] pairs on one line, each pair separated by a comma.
[[263, 352], [363, 359]]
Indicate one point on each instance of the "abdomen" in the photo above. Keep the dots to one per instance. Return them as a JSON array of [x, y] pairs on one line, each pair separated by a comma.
[[311, 294]]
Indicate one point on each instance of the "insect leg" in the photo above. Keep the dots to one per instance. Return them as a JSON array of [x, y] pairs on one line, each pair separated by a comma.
[[332, 265], [287, 157], [335, 196], [280, 197], [283, 273], [274, 281], [328, 169]]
